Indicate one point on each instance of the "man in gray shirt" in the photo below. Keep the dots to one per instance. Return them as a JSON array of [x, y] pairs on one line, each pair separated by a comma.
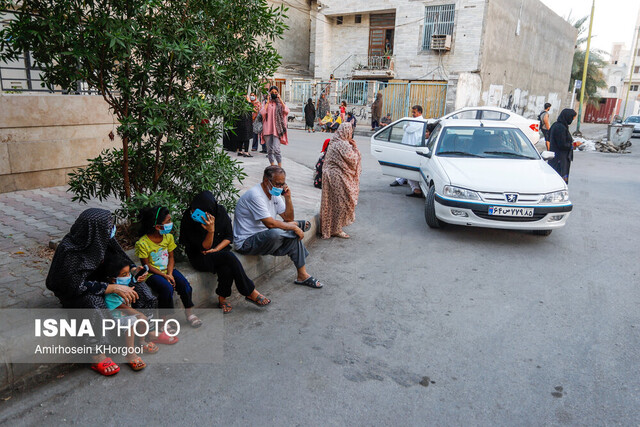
[[256, 231]]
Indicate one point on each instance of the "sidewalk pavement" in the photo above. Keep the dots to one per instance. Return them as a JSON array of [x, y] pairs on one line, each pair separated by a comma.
[[30, 219]]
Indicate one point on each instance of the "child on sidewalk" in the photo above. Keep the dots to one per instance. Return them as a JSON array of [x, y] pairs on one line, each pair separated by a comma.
[[119, 272], [155, 249]]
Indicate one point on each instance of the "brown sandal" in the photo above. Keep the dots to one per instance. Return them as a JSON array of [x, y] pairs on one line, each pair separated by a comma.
[[225, 306], [137, 364]]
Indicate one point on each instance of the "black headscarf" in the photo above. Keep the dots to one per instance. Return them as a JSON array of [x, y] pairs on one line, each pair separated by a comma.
[[560, 138], [192, 234], [309, 113], [81, 252]]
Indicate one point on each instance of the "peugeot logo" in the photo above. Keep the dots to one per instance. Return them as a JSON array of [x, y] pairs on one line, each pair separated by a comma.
[[511, 198]]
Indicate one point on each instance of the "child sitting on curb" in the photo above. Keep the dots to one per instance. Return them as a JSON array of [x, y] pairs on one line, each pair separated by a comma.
[[119, 272], [155, 249]]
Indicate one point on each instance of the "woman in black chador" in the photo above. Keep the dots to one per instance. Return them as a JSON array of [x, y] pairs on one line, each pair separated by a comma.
[[561, 143]]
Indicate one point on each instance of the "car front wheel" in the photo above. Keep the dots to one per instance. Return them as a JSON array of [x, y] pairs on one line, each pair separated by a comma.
[[430, 209]]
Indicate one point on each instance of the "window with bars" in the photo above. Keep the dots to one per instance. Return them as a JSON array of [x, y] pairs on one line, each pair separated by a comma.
[[437, 20]]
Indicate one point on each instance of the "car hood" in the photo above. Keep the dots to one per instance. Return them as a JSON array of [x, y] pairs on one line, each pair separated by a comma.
[[501, 175]]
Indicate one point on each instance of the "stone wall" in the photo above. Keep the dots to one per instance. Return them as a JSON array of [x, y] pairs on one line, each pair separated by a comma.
[[44, 137], [527, 52]]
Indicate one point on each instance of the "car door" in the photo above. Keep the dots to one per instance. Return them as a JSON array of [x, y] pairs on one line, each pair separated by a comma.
[[427, 171], [395, 148]]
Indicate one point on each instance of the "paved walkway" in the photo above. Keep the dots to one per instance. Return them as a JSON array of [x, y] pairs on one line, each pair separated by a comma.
[[30, 219]]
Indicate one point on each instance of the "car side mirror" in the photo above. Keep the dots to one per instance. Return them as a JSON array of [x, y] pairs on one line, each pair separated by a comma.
[[548, 155], [423, 151]]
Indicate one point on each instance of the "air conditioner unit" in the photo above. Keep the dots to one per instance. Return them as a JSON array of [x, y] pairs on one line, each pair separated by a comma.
[[441, 42]]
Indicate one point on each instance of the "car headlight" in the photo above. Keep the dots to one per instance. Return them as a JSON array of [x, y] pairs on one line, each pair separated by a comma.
[[460, 193], [556, 197]]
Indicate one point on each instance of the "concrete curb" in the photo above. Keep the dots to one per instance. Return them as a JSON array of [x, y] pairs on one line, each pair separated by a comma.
[[19, 376]]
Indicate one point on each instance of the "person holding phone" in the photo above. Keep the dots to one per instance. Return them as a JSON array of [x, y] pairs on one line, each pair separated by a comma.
[[274, 125], [77, 273], [207, 235], [257, 231], [155, 250]]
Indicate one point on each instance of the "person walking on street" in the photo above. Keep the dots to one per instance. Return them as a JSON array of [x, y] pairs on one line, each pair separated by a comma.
[[561, 143], [309, 116], [323, 107], [253, 100], [274, 125], [340, 183], [544, 123], [376, 112]]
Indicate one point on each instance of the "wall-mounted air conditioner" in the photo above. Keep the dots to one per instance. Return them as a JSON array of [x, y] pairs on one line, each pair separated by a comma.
[[441, 42]]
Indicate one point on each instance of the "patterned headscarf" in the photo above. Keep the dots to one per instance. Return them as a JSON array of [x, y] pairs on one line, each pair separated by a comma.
[[81, 251], [344, 132]]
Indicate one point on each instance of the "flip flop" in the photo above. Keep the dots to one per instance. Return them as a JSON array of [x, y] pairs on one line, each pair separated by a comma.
[[150, 348], [342, 235], [225, 306], [137, 364], [260, 300], [163, 338], [304, 225], [310, 281], [101, 367], [194, 321]]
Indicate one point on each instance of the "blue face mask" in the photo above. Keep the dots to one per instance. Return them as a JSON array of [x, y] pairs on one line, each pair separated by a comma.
[[123, 280], [113, 231], [275, 191], [166, 228]]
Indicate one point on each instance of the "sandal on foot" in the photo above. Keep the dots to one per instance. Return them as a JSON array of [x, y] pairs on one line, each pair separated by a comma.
[[260, 300], [163, 338], [150, 348], [101, 367], [342, 235], [137, 364], [171, 330], [225, 306], [304, 225], [194, 321], [310, 281]]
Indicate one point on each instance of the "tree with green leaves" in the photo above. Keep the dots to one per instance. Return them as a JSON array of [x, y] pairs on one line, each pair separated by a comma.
[[170, 70], [595, 77]]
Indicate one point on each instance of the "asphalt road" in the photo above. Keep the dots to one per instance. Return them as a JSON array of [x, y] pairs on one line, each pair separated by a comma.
[[414, 327]]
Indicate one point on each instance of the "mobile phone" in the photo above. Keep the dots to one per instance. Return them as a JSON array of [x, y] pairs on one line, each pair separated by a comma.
[[199, 216], [143, 269]]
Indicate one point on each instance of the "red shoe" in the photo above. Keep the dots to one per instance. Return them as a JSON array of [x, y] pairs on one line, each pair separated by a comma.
[[163, 338], [101, 367]]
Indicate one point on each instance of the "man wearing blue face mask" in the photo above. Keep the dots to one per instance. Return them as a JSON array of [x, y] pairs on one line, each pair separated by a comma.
[[257, 231]]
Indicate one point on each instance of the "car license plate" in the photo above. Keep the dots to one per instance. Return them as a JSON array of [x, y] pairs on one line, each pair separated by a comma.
[[508, 211]]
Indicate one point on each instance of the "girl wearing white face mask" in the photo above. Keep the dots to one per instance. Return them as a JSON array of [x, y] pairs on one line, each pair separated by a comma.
[[255, 102], [155, 249]]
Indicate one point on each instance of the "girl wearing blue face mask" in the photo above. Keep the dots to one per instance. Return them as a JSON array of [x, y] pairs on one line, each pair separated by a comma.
[[118, 271], [155, 249]]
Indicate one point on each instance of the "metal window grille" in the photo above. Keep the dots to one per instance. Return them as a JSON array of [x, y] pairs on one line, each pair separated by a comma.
[[437, 20]]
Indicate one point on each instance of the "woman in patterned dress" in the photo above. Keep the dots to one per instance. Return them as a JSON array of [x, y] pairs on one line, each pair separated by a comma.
[[340, 183]]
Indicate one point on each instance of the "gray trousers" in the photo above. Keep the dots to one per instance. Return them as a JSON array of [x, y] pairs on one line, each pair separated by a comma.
[[273, 148], [276, 242]]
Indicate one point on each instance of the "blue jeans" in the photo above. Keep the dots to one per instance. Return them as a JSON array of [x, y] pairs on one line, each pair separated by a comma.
[[256, 140], [164, 289]]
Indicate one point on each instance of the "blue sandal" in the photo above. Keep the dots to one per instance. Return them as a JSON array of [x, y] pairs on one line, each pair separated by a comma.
[[310, 282]]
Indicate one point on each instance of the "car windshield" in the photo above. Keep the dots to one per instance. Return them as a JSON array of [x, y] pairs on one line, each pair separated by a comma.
[[633, 119], [485, 142]]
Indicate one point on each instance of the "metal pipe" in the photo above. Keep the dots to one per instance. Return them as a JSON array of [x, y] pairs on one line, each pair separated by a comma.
[[586, 65]]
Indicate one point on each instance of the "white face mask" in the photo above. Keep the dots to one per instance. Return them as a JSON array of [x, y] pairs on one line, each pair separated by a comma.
[[253, 98]]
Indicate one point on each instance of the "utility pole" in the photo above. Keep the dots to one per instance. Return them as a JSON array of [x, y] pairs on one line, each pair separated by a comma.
[[634, 54], [586, 65]]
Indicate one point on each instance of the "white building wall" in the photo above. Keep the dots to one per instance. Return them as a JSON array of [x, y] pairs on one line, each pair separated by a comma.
[[412, 63]]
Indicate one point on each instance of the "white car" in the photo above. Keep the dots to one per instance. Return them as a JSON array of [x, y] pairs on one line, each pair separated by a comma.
[[476, 173], [530, 127], [635, 121]]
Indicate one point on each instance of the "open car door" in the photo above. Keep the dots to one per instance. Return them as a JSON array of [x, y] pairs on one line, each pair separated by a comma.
[[395, 148]]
